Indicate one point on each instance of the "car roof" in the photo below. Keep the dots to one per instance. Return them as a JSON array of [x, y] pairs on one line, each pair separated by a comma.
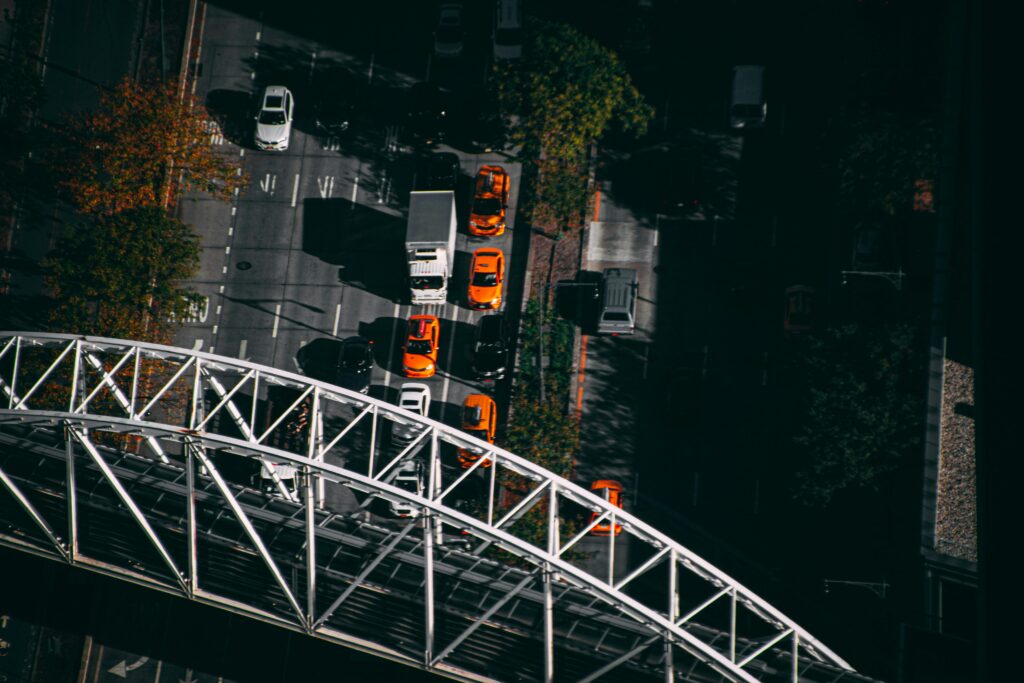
[[274, 90], [492, 326], [487, 253]]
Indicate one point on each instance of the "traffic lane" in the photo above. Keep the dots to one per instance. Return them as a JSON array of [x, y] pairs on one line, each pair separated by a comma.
[[89, 44], [110, 665]]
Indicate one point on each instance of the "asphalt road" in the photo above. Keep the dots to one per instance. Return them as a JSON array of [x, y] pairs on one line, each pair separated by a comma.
[[313, 250]]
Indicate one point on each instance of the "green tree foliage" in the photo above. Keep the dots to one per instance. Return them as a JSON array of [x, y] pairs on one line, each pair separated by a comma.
[[882, 154], [119, 276], [864, 409], [565, 93]]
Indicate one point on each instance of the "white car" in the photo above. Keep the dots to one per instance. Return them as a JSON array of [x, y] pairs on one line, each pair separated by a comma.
[[414, 397], [408, 477], [274, 121], [448, 36]]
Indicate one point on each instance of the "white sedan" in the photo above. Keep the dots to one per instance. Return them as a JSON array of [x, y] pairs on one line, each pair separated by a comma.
[[274, 121]]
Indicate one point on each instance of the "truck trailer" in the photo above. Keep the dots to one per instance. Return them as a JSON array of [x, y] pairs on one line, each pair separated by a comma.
[[430, 245]]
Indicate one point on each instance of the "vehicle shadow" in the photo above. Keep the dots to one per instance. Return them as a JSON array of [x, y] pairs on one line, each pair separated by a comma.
[[233, 111], [579, 301], [366, 244], [387, 352]]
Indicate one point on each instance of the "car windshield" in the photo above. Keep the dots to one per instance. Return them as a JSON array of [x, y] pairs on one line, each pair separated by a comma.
[[449, 34], [430, 282], [420, 346], [478, 433], [485, 279], [616, 317], [353, 355], [487, 206], [746, 111], [273, 118]]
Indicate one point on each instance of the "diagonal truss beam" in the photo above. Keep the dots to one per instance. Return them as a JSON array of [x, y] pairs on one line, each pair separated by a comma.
[[40, 521]]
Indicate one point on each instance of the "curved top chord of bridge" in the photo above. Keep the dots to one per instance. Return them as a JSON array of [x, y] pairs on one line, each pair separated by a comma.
[[144, 462]]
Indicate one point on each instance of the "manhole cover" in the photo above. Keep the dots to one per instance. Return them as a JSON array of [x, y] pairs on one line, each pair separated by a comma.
[[243, 265]]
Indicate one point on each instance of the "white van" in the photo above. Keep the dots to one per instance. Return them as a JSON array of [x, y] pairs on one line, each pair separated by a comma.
[[508, 29], [749, 106]]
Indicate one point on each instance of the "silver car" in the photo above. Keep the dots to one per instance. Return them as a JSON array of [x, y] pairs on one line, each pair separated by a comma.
[[449, 33], [274, 120], [414, 397]]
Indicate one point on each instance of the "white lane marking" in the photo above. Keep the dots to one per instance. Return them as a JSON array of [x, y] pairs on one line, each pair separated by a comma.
[[451, 350], [243, 346], [355, 186], [234, 210], [325, 185], [277, 319], [259, 34], [656, 233], [197, 345], [231, 230], [295, 190], [337, 317], [391, 345]]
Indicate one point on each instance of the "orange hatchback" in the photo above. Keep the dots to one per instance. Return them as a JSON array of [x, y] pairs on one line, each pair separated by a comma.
[[611, 491], [486, 275], [489, 202], [479, 419], [419, 353]]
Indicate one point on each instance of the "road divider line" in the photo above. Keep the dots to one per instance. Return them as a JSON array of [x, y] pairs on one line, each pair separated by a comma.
[[277, 319], [337, 317], [451, 350], [243, 346], [295, 190], [355, 188], [391, 345], [582, 376]]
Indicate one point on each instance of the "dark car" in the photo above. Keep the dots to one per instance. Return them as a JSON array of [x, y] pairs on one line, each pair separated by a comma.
[[349, 367], [430, 113], [332, 112], [438, 171], [490, 350]]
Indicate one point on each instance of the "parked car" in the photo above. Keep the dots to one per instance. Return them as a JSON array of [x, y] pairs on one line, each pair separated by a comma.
[[798, 315], [274, 120], [479, 419], [349, 367], [611, 491], [438, 171], [415, 398], [448, 35], [490, 200], [490, 350], [486, 276], [508, 29], [419, 353], [429, 113], [409, 476]]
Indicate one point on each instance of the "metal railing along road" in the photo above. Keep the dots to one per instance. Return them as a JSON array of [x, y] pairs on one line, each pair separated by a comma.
[[139, 461]]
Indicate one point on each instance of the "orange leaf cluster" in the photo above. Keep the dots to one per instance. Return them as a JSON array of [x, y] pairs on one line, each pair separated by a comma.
[[143, 146]]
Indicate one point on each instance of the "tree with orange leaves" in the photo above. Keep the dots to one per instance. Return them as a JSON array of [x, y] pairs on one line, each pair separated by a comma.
[[142, 146]]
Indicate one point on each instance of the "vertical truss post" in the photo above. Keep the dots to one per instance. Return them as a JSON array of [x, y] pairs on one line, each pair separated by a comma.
[[313, 451], [190, 482], [135, 382], [428, 587], [794, 674], [69, 449], [673, 614], [549, 603], [321, 490], [14, 374], [490, 494], [611, 550], [732, 626], [310, 546], [373, 439]]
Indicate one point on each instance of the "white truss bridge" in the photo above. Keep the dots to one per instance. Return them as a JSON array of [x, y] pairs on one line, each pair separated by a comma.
[[143, 462]]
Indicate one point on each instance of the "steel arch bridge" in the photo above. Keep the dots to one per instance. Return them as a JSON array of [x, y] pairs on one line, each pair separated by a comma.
[[138, 461]]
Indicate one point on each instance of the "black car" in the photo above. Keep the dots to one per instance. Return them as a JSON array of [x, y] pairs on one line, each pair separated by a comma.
[[438, 171], [347, 366], [490, 350], [332, 113], [430, 113]]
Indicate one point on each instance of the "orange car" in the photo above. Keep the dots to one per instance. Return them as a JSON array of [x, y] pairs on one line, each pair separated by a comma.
[[489, 202], [486, 275], [611, 491], [479, 417], [419, 353]]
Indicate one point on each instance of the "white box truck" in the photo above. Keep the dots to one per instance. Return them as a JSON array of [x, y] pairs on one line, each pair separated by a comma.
[[430, 245]]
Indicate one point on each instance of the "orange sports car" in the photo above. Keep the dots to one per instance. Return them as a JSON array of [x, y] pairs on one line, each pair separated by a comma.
[[611, 491], [489, 202], [419, 353], [479, 418], [486, 275]]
